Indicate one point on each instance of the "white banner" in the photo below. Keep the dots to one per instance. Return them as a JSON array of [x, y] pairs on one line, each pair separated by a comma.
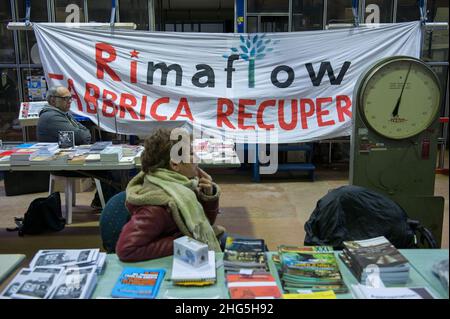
[[297, 86]]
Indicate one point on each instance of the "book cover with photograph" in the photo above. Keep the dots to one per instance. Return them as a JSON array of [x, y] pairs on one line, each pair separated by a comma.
[[39, 283], [257, 285], [14, 285], [75, 283], [64, 257], [244, 253], [376, 251], [66, 139]]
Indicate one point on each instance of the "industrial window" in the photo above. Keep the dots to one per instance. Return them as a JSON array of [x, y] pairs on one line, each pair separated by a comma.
[[135, 11], [339, 11], [307, 15], [9, 105], [38, 13], [7, 53], [263, 6]]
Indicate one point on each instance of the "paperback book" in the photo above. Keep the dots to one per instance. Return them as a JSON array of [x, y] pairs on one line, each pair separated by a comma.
[[312, 268], [138, 283], [75, 283], [66, 257], [37, 283], [375, 256], [254, 286], [188, 275], [244, 253]]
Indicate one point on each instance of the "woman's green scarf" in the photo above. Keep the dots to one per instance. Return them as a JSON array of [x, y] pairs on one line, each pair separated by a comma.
[[164, 187]]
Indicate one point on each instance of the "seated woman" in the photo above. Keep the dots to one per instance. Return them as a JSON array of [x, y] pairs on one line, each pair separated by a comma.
[[168, 200]]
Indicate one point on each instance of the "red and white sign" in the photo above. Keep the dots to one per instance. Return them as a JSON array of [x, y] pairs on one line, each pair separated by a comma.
[[297, 85]]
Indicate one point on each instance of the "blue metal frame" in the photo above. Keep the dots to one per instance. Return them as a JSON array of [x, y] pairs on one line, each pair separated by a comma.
[[355, 9], [113, 12], [240, 16], [422, 10], [27, 12]]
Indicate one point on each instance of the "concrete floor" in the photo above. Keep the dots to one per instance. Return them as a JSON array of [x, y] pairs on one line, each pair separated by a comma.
[[275, 209]]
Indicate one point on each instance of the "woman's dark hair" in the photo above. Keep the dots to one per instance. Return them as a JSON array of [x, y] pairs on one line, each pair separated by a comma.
[[157, 150]]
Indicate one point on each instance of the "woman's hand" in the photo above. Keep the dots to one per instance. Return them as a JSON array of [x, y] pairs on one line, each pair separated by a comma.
[[205, 182]]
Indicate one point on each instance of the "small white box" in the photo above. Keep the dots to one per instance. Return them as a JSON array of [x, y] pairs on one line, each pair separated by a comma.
[[190, 251]]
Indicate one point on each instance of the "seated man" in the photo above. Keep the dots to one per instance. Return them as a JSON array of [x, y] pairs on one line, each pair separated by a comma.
[[56, 117]]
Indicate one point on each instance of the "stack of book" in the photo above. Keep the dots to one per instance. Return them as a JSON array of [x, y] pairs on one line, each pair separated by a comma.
[[78, 155], [58, 274], [255, 286], [77, 159], [46, 149], [111, 154], [72, 257], [184, 274], [375, 258], [92, 158], [132, 150], [366, 292], [99, 146], [5, 156], [23, 156], [44, 154], [244, 254], [41, 160], [313, 268], [61, 157], [131, 153]]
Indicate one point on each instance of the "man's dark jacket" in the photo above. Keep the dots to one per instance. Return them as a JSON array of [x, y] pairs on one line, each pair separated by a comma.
[[52, 120]]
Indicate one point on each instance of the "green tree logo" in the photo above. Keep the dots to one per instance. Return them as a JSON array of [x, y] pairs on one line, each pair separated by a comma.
[[252, 49]]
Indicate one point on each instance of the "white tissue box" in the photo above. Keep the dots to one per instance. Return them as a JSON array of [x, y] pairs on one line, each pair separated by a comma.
[[190, 251]]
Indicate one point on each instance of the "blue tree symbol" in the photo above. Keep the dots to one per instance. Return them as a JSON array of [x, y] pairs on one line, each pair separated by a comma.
[[252, 49]]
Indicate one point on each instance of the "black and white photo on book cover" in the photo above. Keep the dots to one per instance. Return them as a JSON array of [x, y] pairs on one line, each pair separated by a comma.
[[64, 257], [15, 284], [66, 139], [75, 283], [39, 283]]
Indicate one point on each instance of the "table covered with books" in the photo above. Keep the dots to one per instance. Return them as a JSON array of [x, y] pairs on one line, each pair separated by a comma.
[[102, 273], [104, 156], [219, 290], [167, 290]]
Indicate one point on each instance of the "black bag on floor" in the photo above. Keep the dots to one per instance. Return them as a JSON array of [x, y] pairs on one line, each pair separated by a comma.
[[356, 213], [43, 215]]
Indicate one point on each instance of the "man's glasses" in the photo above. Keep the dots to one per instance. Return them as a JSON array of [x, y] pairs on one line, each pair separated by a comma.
[[65, 98]]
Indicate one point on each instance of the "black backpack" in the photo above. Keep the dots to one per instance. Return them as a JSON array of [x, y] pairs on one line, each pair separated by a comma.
[[355, 213], [43, 215]]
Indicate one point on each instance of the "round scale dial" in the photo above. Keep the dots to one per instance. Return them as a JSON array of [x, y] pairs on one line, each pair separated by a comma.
[[400, 97]]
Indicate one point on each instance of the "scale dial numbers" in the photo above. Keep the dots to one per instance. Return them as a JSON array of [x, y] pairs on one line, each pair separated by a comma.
[[400, 98]]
